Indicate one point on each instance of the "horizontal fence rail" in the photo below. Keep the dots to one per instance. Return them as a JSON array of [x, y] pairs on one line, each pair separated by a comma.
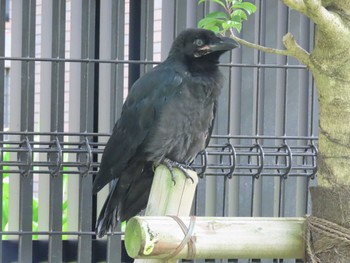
[[254, 156], [140, 62]]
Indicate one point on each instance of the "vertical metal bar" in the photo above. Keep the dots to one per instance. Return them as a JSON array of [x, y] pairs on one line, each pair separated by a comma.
[[281, 102], [45, 113], [258, 117], [2, 101], [223, 110], [157, 30], [235, 127], [85, 208], [110, 91], [259, 58], [74, 109], [303, 117], [134, 40], [87, 69], [25, 216], [57, 124], [114, 248], [191, 10], [15, 104], [58, 51], [28, 67], [106, 90], [180, 16], [117, 46], [55, 241], [211, 182], [87, 109], [168, 26], [146, 33], [27, 124]]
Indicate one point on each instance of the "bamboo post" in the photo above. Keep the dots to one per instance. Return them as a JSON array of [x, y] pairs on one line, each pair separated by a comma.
[[167, 198], [216, 237]]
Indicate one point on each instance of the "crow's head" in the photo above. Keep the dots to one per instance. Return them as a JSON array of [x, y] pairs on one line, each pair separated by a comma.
[[201, 43]]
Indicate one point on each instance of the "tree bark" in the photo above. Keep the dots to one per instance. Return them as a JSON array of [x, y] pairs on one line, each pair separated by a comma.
[[331, 71]]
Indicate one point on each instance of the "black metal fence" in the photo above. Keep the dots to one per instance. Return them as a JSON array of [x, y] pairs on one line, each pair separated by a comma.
[[68, 71]]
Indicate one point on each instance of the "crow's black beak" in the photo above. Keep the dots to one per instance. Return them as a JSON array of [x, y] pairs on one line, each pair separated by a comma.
[[224, 44]]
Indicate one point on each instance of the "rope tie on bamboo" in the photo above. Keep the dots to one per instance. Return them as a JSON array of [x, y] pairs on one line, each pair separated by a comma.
[[325, 228], [188, 238]]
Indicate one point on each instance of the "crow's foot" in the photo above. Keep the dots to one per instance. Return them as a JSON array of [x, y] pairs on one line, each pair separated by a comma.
[[171, 164]]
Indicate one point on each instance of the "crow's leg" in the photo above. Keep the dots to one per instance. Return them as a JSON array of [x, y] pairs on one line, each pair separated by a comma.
[[182, 167]]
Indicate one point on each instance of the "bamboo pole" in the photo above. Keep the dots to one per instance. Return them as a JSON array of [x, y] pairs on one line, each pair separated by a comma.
[[217, 237], [167, 198]]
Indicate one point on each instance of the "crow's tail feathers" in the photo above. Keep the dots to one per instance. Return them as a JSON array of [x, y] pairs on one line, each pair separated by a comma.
[[106, 223], [108, 219], [127, 197]]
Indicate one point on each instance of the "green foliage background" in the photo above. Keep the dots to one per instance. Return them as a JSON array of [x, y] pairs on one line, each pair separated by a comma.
[[235, 12]]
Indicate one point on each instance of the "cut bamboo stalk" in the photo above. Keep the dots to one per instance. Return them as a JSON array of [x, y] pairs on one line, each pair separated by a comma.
[[217, 237], [167, 198]]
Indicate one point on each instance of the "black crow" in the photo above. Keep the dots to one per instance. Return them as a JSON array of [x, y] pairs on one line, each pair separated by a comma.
[[167, 118]]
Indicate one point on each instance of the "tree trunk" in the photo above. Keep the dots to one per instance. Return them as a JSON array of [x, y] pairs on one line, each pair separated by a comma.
[[331, 60], [329, 63], [329, 240]]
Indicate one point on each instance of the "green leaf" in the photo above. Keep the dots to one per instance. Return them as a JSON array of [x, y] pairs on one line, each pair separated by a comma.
[[213, 21], [209, 23], [239, 13], [225, 26], [246, 6], [232, 24], [217, 15], [237, 19], [213, 27], [239, 27]]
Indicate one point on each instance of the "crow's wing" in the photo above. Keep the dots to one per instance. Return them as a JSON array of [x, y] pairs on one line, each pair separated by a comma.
[[139, 114]]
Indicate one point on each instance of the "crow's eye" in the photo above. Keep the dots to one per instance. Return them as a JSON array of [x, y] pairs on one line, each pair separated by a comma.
[[198, 42]]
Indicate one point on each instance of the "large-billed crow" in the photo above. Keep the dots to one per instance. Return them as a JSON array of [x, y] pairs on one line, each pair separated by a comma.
[[167, 118]]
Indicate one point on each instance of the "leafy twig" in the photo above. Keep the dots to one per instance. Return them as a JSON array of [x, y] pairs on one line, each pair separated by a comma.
[[236, 13]]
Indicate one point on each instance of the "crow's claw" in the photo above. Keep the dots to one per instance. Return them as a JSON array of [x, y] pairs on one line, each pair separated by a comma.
[[171, 164]]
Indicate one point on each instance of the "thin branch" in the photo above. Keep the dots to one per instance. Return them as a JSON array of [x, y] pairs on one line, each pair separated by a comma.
[[293, 49], [258, 47]]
